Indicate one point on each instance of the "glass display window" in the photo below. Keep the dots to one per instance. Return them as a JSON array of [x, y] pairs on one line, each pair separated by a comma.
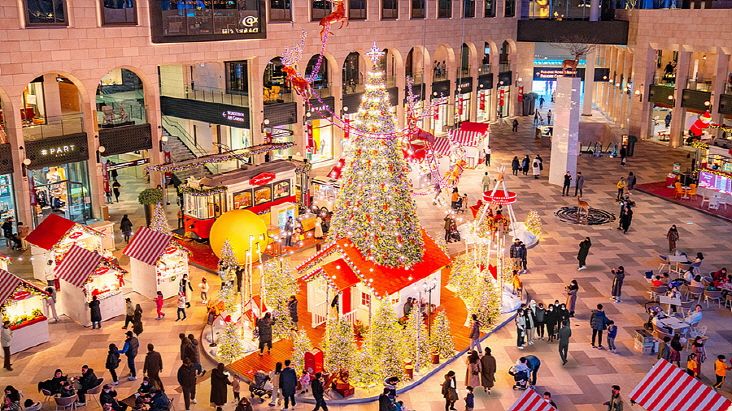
[[103, 283], [262, 194], [23, 307], [322, 140], [7, 199], [61, 189], [281, 189], [243, 199]]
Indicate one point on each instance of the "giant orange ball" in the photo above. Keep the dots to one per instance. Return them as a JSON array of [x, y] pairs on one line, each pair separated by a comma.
[[242, 228]]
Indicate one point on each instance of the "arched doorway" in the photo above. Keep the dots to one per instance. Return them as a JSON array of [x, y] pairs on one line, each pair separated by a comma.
[[414, 67], [464, 69], [318, 125], [503, 101], [321, 82], [276, 88], [352, 74], [56, 148], [464, 86], [7, 199]]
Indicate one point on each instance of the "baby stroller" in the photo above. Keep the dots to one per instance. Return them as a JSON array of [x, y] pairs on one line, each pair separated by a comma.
[[260, 387], [653, 309], [520, 378]]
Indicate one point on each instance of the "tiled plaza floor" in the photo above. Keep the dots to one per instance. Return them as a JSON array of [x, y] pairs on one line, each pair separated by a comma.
[[581, 385]]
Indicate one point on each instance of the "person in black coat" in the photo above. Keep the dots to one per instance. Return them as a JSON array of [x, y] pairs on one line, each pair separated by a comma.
[[219, 391], [54, 384], [386, 401], [525, 165], [550, 319], [598, 322], [584, 250], [618, 278], [626, 219], [95, 313], [515, 165], [112, 362], [109, 396], [87, 381], [187, 380], [318, 392], [292, 309], [288, 384]]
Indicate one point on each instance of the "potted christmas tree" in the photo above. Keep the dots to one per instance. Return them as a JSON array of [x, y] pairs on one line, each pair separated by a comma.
[[149, 197]]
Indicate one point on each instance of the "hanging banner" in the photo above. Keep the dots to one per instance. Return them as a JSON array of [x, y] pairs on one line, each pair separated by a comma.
[[501, 97], [482, 101], [347, 128], [310, 143], [521, 94], [460, 106]]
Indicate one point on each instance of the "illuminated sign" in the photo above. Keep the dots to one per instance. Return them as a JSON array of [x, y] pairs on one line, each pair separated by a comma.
[[58, 151], [235, 116], [261, 179], [552, 73]]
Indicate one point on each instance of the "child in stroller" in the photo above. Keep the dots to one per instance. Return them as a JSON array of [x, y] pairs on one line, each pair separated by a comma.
[[260, 387], [520, 373]]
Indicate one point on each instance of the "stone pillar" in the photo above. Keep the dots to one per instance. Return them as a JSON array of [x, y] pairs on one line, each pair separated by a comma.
[[565, 139], [336, 89], [14, 129], [677, 118], [52, 97], [154, 118], [644, 66], [720, 78], [256, 66], [524, 70], [595, 10], [589, 82]]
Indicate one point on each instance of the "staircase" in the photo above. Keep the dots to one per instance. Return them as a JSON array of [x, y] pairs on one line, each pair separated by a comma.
[[180, 151]]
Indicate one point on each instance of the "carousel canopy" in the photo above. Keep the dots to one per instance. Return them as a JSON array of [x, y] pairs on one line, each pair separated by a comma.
[[147, 245], [77, 265], [530, 400], [667, 387], [383, 280], [50, 231], [9, 283]]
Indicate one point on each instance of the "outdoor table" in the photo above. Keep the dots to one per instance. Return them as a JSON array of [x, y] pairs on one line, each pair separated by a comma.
[[663, 299], [686, 192], [674, 323], [675, 260]]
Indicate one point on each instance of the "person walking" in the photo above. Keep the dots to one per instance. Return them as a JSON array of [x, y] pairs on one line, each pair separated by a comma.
[[514, 252], [486, 182], [615, 403], [525, 165], [318, 229], [487, 370], [520, 321], [203, 289], [6, 339], [137, 320], [181, 307], [159, 305], [612, 333], [184, 285], [626, 219], [676, 348], [475, 325], [536, 168], [186, 348], [566, 184], [515, 165], [524, 254], [631, 179], [125, 226], [598, 323], [95, 313], [618, 278], [115, 189], [536, 118], [584, 251], [288, 384], [129, 349], [264, 326], [623, 155], [318, 392], [195, 355], [515, 125], [720, 371], [50, 303], [289, 231], [112, 362], [565, 332], [530, 322], [153, 366], [579, 184], [219, 391], [292, 311], [540, 318], [129, 313], [549, 117], [449, 390], [274, 379], [572, 290], [487, 151], [620, 185], [187, 380], [673, 236], [473, 371], [550, 318]]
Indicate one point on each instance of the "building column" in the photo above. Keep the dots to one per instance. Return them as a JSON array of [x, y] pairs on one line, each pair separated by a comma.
[[679, 114], [720, 79], [590, 60], [625, 97], [256, 67], [154, 118], [52, 96], [14, 129], [644, 66], [336, 90], [595, 10], [613, 55], [565, 139], [525, 69]]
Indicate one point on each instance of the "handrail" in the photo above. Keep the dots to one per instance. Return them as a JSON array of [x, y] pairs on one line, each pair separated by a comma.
[[216, 95], [53, 126], [188, 141]]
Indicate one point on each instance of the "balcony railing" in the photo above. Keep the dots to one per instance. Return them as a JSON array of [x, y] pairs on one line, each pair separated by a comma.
[[216, 95], [41, 128]]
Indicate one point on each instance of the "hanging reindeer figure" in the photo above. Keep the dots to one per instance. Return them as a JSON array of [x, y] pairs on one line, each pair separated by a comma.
[[571, 65], [289, 67], [337, 15], [577, 50]]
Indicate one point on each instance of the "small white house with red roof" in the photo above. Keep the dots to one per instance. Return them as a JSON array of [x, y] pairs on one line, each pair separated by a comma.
[[340, 270], [157, 262]]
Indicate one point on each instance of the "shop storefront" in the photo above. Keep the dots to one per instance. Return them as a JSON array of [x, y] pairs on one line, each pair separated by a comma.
[[420, 119], [463, 94], [697, 118], [125, 151], [440, 106], [7, 194], [485, 87], [724, 133], [661, 98], [319, 131], [58, 177], [503, 102], [279, 125]]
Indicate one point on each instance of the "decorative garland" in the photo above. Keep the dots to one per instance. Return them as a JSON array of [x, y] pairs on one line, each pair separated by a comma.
[[219, 158], [201, 192]]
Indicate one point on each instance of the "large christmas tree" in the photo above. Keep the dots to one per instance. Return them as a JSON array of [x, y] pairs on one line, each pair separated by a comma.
[[374, 207]]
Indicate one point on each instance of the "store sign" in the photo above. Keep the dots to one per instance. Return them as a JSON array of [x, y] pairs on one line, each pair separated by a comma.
[[464, 85], [261, 179], [57, 150], [214, 113], [235, 116]]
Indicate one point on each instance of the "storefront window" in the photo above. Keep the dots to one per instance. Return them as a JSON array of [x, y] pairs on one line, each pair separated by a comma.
[[320, 9], [468, 8], [444, 9], [504, 99], [484, 105], [351, 73], [120, 99], [45, 12], [7, 199], [205, 20], [389, 9], [462, 107], [320, 82], [322, 141], [240, 138], [280, 10], [62, 189], [283, 134], [464, 60], [237, 77], [490, 8], [276, 88], [418, 9], [357, 9], [439, 120], [118, 12]]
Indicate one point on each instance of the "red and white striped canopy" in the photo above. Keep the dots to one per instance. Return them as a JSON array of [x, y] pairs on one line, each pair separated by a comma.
[[77, 265], [8, 284], [441, 146], [530, 400], [465, 138], [669, 388], [147, 245]]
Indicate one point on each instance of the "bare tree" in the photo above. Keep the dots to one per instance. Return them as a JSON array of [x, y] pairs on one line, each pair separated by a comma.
[[577, 50]]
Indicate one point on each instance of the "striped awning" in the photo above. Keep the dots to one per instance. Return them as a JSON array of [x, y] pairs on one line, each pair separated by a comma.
[[530, 400], [465, 138], [667, 387], [147, 245], [77, 265], [441, 146], [8, 284]]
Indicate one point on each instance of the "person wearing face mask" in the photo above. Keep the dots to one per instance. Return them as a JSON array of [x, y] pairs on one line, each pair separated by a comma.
[[109, 396], [540, 315], [550, 318]]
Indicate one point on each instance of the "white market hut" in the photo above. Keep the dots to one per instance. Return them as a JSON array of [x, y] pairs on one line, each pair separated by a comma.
[[21, 303], [83, 274], [157, 263], [53, 238]]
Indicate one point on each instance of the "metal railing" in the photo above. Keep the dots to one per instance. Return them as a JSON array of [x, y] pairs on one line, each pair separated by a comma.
[[53, 126], [699, 84], [174, 129], [216, 95], [484, 69], [319, 315], [115, 116]]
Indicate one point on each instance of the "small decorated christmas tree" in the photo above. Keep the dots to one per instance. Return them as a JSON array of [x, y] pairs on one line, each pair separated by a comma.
[[301, 345], [229, 343], [417, 346], [533, 223], [441, 337], [159, 221], [487, 304], [227, 293], [227, 255], [387, 342], [279, 285], [339, 347], [365, 375]]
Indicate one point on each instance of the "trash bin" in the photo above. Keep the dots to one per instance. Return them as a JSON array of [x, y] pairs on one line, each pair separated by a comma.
[[643, 342]]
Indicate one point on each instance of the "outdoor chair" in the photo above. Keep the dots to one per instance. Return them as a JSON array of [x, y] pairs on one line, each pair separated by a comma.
[[65, 403], [713, 296], [694, 293], [95, 391]]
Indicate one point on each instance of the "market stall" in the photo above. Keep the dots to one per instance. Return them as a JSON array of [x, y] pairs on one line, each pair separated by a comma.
[[83, 274], [53, 238], [471, 141], [157, 263], [530, 400], [21, 303], [257, 189]]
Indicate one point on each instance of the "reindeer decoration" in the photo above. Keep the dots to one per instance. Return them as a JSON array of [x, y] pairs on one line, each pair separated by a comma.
[[337, 15], [289, 66], [583, 205], [570, 64], [577, 50]]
